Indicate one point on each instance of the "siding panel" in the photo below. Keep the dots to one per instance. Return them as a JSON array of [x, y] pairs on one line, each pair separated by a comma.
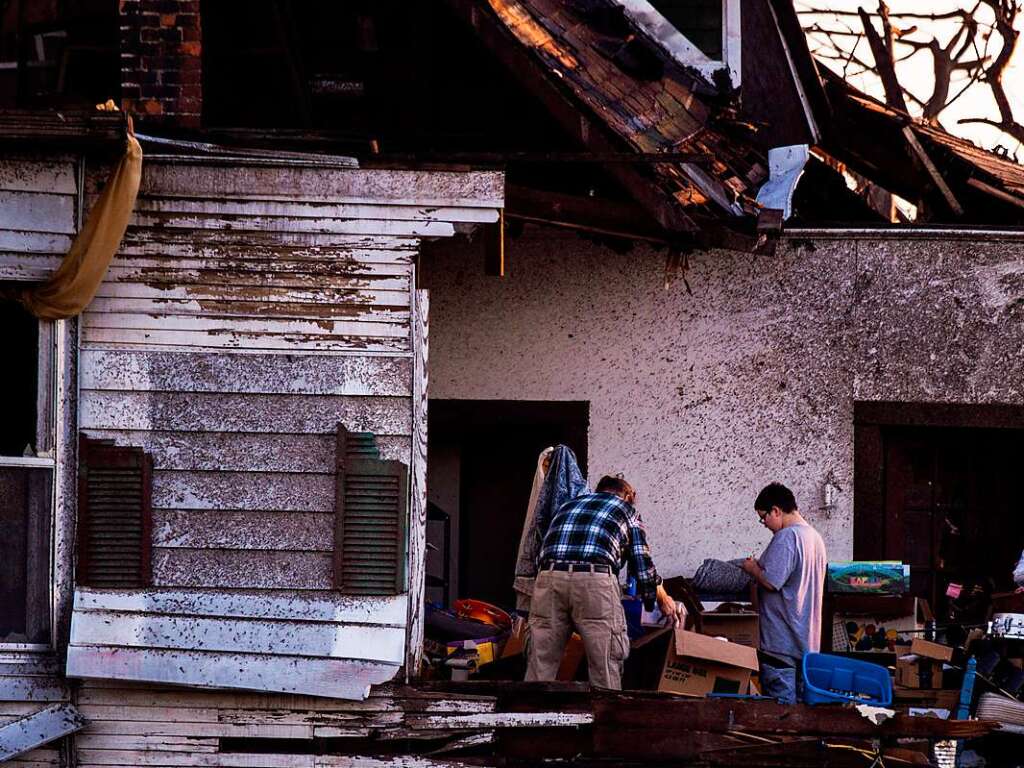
[[250, 310]]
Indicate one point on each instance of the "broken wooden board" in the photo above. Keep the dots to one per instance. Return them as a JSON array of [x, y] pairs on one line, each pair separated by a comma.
[[38, 729], [660, 726]]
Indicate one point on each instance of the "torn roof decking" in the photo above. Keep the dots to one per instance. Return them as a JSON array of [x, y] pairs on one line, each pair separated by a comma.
[[661, 107], [867, 135]]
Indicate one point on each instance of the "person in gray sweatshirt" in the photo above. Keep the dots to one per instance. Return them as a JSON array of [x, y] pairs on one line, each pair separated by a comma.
[[790, 576]]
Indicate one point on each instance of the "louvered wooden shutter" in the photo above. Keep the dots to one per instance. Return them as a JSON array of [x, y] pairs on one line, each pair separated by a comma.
[[371, 507], [114, 515]]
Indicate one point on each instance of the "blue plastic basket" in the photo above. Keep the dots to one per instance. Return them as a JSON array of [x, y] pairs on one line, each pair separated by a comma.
[[829, 679]]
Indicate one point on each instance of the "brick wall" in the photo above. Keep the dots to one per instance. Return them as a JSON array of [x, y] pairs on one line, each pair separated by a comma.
[[161, 61]]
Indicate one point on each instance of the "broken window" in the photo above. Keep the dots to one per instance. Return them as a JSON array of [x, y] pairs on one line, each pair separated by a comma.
[[703, 34], [26, 478], [58, 53], [700, 21]]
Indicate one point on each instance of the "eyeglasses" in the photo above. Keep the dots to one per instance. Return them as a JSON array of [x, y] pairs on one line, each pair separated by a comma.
[[762, 515]]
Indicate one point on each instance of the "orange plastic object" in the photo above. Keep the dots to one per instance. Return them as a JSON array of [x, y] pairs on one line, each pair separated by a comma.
[[481, 611]]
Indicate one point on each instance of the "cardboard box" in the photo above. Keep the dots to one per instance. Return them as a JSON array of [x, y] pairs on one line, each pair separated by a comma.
[[930, 650], [741, 628], [887, 630], [918, 672], [697, 664]]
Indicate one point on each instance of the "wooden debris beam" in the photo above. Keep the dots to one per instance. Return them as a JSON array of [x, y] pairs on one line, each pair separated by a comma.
[[648, 717]]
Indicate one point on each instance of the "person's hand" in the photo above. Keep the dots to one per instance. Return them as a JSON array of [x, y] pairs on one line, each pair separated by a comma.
[[751, 566], [668, 607]]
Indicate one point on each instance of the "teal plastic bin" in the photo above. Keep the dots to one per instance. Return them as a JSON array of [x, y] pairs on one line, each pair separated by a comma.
[[830, 679]]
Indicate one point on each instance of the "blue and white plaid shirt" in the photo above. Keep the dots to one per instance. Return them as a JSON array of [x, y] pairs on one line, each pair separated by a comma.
[[601, 528]]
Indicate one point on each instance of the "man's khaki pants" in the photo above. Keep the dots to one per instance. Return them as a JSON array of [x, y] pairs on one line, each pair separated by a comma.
[[590, 602]]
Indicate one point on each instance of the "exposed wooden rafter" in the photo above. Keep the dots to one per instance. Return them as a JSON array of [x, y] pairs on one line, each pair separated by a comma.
[[592, 135]]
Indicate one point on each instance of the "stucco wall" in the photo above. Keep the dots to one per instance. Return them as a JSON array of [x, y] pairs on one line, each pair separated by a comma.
[[700, 399]]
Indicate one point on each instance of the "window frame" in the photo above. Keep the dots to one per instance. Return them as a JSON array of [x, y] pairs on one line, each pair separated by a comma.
[[49, 335], [680, 48]]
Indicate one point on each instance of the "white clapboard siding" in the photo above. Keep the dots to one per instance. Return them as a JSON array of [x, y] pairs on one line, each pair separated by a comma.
[[242, 569], [254, 413], [250, 310], [219, 529], [236, 374], [30, 677], [327, 185], [241, 452], [38, 211], [301, 210], [323, 645]]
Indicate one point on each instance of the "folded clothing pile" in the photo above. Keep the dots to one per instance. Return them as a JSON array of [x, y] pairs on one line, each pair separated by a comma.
[[720, 577]]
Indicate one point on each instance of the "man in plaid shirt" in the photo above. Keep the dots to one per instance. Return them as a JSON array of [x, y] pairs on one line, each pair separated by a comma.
[[588, 540]]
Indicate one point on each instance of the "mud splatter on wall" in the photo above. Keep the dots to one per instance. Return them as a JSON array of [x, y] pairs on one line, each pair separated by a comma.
[[701, 399]]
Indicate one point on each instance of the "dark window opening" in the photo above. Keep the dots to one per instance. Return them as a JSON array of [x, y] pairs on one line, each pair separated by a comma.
[[699, 21], [59, 53], [482, 456], [26, 481], [22, 364]]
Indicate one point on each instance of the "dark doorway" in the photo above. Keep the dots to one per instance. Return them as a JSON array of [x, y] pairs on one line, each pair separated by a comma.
[[941, 494], [481, 461]]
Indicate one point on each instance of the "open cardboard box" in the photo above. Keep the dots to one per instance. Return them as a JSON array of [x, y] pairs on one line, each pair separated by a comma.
[[741, 628], [697, 664]]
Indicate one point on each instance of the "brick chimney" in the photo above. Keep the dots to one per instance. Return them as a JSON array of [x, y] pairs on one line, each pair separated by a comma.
[[161, 61]]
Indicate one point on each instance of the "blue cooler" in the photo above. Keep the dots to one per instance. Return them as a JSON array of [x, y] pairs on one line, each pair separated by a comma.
[[830, 679]]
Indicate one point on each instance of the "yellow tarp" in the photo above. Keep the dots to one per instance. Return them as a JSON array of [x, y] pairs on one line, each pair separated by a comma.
[[70, 289]]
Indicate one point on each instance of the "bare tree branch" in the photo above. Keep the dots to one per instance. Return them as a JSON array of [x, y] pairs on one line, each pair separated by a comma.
[[882, 50]]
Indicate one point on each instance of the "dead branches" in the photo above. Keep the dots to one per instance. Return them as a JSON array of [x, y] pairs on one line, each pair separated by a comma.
[[982, 41]]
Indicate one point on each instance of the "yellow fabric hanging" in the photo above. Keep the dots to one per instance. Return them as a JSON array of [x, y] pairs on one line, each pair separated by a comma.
[[70, 289]]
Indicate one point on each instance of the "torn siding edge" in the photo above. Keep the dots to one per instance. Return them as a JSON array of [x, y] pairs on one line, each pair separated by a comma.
[[39, 728]]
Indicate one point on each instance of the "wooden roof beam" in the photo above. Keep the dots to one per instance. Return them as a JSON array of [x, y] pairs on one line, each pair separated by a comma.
[[526, 68]]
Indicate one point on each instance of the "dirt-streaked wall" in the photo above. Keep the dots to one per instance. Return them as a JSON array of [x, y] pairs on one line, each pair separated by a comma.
[[700, 399]]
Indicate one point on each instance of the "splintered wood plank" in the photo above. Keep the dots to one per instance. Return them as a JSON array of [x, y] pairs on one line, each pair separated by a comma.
[[38, 729], [618, 712]]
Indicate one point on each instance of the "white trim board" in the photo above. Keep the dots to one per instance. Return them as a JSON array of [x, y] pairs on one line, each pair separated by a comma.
[[682, 50]]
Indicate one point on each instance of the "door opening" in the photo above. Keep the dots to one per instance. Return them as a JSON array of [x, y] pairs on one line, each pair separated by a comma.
[[481, 458], [938, 490]]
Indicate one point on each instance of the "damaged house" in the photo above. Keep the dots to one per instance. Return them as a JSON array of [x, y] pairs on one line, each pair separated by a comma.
[[379, 258]]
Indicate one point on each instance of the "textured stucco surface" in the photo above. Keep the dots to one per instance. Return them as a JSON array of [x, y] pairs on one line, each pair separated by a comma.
[[701, 399]]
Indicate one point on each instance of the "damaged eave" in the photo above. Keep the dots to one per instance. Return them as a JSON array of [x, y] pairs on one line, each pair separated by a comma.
[[69, 129], [39, 728], [957, 180], [568, 66]]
